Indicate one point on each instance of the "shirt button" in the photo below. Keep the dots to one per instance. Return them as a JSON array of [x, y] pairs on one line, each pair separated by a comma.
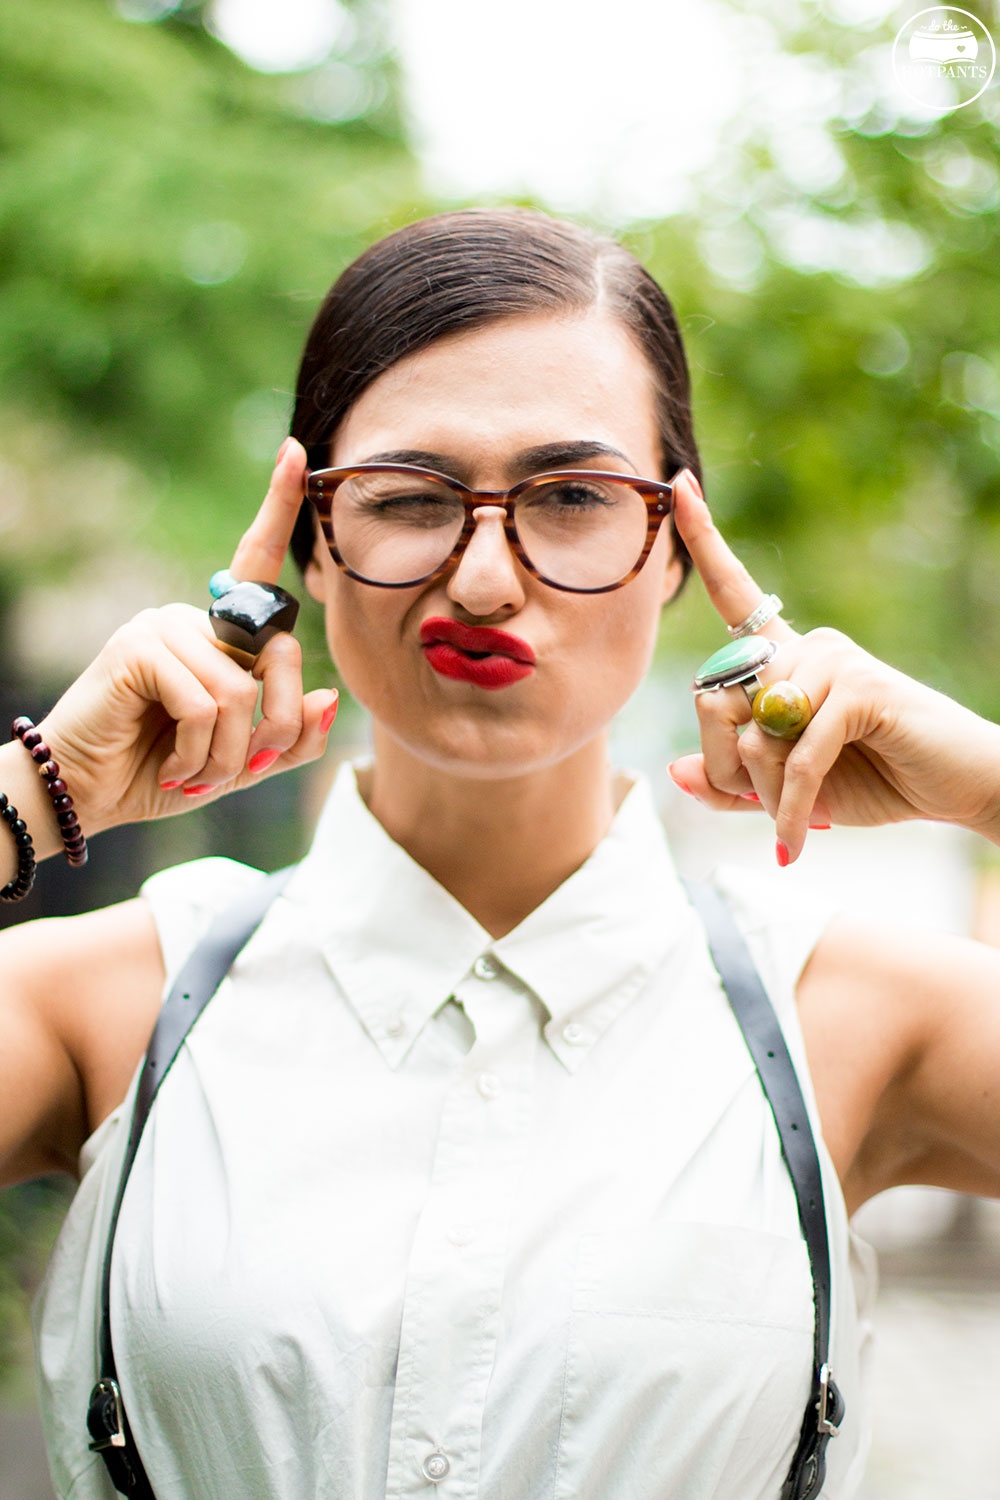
[[435, 1466], [461, 1234], [574, 1033], [395, 1026], [488, 1085], [486, 967]]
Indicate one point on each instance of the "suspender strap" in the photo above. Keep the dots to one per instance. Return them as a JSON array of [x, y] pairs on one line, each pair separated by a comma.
[[193, 988], [766, 1043]]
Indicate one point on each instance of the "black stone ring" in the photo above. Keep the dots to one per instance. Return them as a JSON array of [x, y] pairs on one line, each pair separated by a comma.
[[248, 615]]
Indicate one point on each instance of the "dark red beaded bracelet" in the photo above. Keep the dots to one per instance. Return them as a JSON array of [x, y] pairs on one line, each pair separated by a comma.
[[69, 824], [18, 888]]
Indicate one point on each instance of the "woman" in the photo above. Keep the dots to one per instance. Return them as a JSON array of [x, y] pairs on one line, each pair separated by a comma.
[[464, 1181]]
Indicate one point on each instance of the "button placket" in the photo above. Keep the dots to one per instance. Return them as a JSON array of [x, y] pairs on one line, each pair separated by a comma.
[[450, 1322]]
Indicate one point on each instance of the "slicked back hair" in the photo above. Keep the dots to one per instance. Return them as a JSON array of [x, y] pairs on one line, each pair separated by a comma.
[[463, 270]]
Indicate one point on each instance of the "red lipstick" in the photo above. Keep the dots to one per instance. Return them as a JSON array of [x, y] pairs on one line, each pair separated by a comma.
[[475, 653]]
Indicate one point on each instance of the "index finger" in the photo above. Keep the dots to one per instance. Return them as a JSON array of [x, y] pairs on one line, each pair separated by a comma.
[[728, 584], [261, 550]]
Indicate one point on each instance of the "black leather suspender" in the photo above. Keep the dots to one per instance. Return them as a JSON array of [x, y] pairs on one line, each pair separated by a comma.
[[198, 981], [766, 1044]]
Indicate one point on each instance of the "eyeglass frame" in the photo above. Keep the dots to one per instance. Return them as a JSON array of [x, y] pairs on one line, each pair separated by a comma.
[[651, 491]]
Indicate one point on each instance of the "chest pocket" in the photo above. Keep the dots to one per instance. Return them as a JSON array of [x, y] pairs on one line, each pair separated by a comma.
[[688, 1363]]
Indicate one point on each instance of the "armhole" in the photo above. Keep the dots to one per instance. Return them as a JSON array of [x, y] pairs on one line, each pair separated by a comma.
[[185, 899]]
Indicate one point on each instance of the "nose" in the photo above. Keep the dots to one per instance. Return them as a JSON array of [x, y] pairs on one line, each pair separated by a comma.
[[487, 580]]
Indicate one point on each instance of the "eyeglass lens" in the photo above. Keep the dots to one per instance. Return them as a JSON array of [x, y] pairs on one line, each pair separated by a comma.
[[398, 528]]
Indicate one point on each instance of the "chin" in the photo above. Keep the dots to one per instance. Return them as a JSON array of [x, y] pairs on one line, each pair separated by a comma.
[[478, 751]]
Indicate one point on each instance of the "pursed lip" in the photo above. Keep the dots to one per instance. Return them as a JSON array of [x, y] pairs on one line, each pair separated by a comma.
[[481, 639]]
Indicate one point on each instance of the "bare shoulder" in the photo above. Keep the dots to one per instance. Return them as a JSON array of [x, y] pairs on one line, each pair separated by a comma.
[[78, 1000], [902, 1031]]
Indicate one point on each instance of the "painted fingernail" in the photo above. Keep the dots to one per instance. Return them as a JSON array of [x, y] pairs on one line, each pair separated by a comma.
[[198, 791], [781, 854], [819, 827], [749, 796], [262, 760], [169, 786], [282, 450], [329, 714]]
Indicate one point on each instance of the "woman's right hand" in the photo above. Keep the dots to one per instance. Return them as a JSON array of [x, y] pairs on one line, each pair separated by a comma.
[[162, 718]]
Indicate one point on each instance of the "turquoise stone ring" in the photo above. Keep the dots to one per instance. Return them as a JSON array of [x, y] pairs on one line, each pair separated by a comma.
[[221, 582], [735, 665]]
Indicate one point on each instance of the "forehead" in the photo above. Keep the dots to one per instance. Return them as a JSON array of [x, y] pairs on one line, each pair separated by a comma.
[[513, 384]]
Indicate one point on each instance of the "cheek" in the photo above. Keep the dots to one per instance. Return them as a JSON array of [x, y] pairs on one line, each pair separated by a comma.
[[360, 636]]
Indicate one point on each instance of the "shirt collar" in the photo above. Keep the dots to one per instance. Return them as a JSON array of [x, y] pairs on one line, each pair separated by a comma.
[[399, 945]]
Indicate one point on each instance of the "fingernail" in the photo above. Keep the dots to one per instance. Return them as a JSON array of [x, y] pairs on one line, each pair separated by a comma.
[[198, 791], [678, 782], [749, 796], [262, 760], [329, 714], [282, 450], [781, 854], [169, 786], [819, 827]]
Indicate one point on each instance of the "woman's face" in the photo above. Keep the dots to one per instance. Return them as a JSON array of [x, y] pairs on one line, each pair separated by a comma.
[[475, 406]]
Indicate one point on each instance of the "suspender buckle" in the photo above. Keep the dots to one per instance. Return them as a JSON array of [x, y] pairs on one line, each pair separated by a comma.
[[830, 1406], [106, 1417]]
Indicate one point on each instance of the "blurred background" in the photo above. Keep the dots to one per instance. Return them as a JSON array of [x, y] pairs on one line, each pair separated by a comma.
[[179, 184]]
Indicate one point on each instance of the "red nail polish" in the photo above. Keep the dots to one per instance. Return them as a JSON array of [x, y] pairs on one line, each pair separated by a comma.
[[329, 714], [262, 760], [749, 796], [198, 791], [169, 786], [819, 827], [781, 853]]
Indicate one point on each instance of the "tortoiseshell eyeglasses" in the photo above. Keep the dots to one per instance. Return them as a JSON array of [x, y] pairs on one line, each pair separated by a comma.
[[582, 530]]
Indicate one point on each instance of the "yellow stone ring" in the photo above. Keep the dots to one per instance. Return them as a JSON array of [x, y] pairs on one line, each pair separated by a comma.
[[782, 710]]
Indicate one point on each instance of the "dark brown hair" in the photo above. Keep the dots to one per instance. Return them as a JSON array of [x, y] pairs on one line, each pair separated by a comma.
[[462, 270]]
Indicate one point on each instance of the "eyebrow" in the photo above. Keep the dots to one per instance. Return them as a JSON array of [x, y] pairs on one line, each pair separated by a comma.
[[529, 461]]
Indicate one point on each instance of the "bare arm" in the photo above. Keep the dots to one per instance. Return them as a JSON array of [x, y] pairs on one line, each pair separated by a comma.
[[159, 713], [78, 1001], [903, 1037]]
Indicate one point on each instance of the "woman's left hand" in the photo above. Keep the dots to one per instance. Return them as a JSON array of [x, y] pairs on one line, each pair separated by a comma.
[[880, 747]]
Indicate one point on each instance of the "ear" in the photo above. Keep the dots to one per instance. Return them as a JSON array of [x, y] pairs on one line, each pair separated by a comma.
[[673, 577], [313, 576]]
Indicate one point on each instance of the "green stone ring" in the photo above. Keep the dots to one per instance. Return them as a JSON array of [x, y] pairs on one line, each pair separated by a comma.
[[736, 665]]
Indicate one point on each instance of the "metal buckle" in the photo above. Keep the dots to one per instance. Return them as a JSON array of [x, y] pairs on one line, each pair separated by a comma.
[[117, 1438], [823, 1423]]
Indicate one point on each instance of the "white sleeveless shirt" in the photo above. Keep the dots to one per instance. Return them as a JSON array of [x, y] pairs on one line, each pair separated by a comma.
[[423, 1213]]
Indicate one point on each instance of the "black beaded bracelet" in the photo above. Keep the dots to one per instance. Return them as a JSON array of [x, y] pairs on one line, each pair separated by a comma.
[[18, 888], [69, 824]]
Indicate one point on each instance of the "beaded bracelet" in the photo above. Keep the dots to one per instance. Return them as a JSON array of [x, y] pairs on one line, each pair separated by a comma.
[[69, 824], [19, 887]]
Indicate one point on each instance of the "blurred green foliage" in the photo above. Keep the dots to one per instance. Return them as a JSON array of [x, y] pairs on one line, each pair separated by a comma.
[[850, 419], [169, 219]]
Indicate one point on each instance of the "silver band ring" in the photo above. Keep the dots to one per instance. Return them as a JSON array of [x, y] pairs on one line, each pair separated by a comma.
[[766, 610]]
